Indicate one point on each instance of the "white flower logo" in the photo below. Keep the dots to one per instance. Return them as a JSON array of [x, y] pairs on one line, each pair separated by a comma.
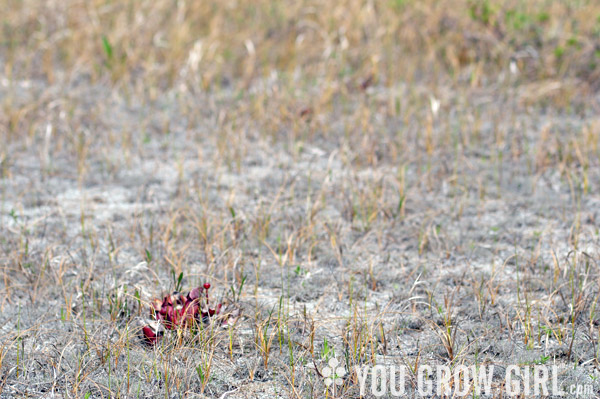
[[333, 373]]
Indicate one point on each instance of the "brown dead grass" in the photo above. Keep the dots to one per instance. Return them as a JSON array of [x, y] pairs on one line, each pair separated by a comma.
[[405, 180]]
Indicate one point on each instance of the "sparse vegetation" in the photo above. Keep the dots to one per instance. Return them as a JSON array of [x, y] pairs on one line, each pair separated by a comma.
[[371, 181]]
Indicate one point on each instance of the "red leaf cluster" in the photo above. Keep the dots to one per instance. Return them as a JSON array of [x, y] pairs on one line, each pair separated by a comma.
[[179, 311]]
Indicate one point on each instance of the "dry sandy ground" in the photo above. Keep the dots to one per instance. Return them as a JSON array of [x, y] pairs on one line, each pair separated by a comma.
[[377, 228]]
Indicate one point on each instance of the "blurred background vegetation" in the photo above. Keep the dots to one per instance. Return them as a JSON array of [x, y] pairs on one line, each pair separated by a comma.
[[214, 43]]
